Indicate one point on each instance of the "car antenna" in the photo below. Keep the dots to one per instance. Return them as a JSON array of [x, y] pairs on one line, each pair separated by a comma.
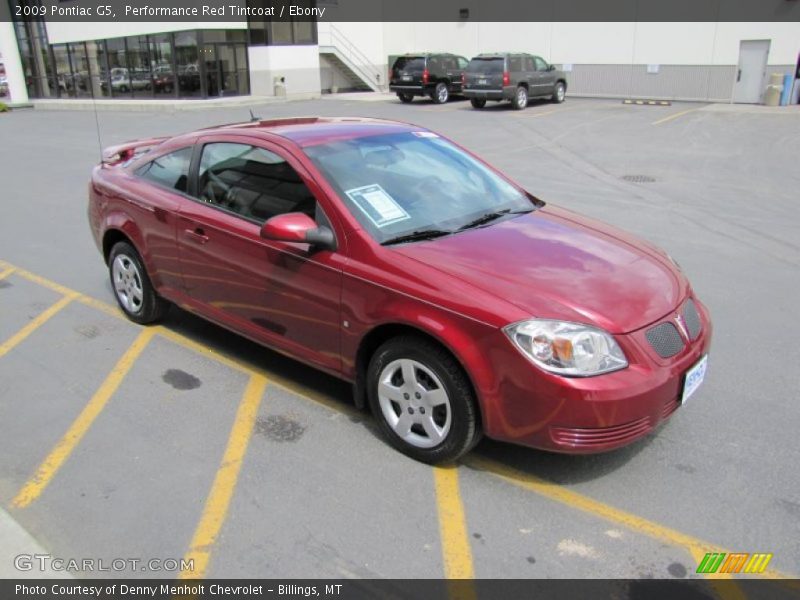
[[253, 118]]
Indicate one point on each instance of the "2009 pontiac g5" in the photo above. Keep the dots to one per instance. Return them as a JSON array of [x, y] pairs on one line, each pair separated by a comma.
[[456, 303]]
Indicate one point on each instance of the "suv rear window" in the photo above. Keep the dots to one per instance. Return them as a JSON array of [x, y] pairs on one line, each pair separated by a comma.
[[486, 65], [410, 63]]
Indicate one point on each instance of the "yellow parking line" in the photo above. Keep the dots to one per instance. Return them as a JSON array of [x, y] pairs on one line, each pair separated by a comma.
[[456, 551], [7, 272], [674, 116], [696, 547], [219, 498], [35, 323], [62, 450]]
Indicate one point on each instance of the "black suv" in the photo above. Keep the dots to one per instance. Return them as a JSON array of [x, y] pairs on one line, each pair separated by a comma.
[[434, 75], [514, 77]]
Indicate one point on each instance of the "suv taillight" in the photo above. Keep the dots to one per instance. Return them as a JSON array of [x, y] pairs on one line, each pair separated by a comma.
[[425, 76], [506, 78]]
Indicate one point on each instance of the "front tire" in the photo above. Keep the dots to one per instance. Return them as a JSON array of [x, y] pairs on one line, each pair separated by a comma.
[[440, 93], [132, 287], [422, 400], [477, 102], [405, 98], [520, 100]]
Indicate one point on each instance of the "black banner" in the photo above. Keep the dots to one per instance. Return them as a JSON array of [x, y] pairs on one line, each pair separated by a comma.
[[404, 11], [400, 589]]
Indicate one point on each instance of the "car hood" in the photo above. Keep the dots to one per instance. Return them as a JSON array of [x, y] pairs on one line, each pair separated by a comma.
[[552, 263]]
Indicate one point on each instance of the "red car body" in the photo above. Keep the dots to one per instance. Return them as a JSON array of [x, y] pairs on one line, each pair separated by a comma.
[[331, 308]]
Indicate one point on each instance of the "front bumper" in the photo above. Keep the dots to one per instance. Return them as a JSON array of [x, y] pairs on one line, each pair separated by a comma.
[[536, 408]]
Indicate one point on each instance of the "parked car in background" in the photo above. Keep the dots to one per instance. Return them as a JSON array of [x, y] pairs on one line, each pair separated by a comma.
[[3, 85], [513, 77], [454, 301], [433, 75]]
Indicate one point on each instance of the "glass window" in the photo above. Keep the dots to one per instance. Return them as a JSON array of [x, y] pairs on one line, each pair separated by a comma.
[[462, 63], [96, 59], [119, 77], [139, 66], [515, 64], [161, 62], [281, 32], [540, 64], [251, 182], [304, 32], [170, 170], [81, 83], [488, 66], [187, 64], [410, 64], [398, 183]]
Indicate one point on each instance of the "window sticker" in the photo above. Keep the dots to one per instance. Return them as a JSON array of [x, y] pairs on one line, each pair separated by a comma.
[[379, 206], [425, 134]]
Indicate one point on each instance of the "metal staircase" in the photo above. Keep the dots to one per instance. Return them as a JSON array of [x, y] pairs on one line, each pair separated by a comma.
[[352, 64]]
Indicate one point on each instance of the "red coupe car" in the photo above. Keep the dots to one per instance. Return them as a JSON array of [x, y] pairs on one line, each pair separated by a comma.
[[456, 303]]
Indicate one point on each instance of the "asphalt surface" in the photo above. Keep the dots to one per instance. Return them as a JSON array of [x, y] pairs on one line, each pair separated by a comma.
[[317, 492]]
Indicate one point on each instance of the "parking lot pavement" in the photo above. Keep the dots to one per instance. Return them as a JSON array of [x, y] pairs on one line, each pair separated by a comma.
[[183, 440]]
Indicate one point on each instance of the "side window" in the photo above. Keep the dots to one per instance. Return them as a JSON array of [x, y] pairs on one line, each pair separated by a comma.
[[433, 65], [462, 62], [540, 64], [515, 64], [529, 64], [170, 170], [252, 182]]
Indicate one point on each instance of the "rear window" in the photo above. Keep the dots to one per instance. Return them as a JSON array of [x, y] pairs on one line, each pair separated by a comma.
[[486, 65], [410, 63]]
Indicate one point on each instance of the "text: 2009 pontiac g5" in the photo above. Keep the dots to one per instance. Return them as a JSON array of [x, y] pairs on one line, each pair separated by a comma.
[[455, 302]]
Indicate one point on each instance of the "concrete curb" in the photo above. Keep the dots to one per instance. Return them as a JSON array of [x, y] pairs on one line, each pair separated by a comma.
[[105, 104], [16, 541]]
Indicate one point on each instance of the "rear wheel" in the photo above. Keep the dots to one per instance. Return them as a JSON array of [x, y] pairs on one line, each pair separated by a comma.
[[422, 400], [477, 102], [520, 100], [440, 93], [132, 287], [560, 92], [405, 98]]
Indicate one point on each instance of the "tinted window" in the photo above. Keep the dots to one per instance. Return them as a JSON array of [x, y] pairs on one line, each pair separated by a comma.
[[462, 63], [398, 183], [410, 63], [170, 170], [529, 64], [540, 64], [515, 63], [486, 65], [251, 182]]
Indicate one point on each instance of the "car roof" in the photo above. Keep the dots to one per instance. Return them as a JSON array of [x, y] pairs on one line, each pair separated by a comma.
[[310, 131], [502, 54]]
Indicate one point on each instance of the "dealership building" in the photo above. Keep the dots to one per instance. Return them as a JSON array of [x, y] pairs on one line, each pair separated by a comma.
[[47, 61]]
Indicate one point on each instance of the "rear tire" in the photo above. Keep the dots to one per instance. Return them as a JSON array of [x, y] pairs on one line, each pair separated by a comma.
[[520, 100], [405, 98], [559, 93], [477, 102], [440, 93], [132, 287], [422, 400]]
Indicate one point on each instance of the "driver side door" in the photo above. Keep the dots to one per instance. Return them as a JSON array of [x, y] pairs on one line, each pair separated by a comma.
[[286, 295]]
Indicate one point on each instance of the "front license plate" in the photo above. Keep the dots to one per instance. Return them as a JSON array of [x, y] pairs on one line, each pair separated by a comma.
[[694, 377]]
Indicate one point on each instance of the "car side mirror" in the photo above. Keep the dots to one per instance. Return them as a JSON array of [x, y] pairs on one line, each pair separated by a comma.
[[551, 67], [298, 228]]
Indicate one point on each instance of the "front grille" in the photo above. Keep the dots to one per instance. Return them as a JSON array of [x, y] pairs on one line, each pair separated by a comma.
[[692, 319], [601, 436], [665, 339]]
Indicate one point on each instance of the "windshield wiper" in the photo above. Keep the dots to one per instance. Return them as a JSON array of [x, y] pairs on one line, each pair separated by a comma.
[[414, 236], [491, 216]]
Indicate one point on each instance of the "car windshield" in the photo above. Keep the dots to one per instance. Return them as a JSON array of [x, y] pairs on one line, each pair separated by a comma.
[[407, 183], [410, 63], [486, 65]]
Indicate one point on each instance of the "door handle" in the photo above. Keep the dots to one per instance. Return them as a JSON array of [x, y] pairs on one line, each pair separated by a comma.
[[738, 75], [197, 234]]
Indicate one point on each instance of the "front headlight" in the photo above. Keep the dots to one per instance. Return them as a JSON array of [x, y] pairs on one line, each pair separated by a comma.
[[567, 348]]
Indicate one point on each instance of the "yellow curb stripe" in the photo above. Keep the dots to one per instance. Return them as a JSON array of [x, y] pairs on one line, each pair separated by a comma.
[[62, 450], [35, 323], [219, 498], [674, 116]]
